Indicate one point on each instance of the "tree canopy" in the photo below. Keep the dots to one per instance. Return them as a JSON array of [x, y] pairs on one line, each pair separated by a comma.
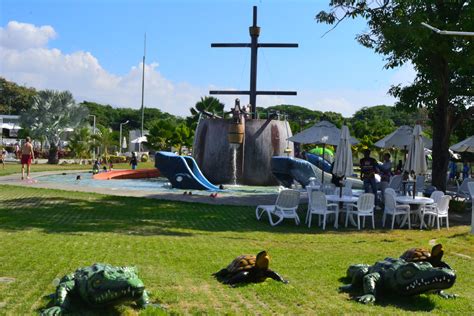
[[49, 116], [444, 64]]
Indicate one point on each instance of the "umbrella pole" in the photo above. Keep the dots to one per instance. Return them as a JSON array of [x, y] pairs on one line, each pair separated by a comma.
[[322, 165], [414, 187]]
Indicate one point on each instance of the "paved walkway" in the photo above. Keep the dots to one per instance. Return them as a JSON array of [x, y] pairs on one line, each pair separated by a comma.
[[221, 199]]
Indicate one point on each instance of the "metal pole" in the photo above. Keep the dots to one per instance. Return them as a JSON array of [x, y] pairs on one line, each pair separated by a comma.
[[93, 132], [254, 31], [143, 91], [120, 140]]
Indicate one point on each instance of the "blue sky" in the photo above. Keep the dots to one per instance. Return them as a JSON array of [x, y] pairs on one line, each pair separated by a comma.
[[95, 48]]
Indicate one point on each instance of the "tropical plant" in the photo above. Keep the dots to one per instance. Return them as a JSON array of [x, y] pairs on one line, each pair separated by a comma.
[[50, 114], [104, 139], [444, 64], [182, 136], [79, 143], [209, 105]]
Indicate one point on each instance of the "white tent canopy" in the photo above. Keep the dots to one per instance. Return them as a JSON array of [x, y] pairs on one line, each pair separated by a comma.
[[466, 145], [10, 126], [139, 140], [401, 138], [323, 132]]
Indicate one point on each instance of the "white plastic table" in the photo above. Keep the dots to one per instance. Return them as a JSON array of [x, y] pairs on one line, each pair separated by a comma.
[[418, 201], [343, 199]]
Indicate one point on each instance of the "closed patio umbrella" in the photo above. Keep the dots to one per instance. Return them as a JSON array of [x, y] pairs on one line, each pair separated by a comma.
[[416, 160], [343, 166], [124, 143]]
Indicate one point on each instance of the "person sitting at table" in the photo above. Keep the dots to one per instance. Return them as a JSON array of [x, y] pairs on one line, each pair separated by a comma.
[[368, 169]]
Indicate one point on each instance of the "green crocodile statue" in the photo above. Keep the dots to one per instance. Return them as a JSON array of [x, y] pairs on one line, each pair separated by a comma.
[[399, 277], [99, 285]]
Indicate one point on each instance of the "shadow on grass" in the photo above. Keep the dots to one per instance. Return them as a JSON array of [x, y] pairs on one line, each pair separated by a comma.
[[56, 213]]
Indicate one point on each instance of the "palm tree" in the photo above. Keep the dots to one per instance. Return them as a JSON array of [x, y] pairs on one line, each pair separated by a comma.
[[206, 104], [51, 113], [104, 139], [80, 143]]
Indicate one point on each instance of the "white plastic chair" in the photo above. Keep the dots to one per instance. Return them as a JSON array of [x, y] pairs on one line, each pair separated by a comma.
[[391, 208], [364, 208], [395, 182], [435, 196], [319, 206], [440, 211], [285, 207], [463, 189]]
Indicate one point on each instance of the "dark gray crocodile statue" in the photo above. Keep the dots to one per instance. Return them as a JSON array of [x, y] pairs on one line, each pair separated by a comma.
[[99, 285], [398, 277]]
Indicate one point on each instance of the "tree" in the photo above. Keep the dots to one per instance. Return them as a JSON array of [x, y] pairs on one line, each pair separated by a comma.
[[49, 115], [14, 98], [206, 104], [160, 136], [444, 64], [79, 142], [182, 136], [104, 139]]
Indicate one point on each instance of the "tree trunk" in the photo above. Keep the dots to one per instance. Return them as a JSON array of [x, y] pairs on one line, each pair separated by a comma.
[[442, 125], [53, 154]]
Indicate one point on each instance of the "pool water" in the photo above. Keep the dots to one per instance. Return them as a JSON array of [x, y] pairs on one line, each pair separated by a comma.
[[153, 185]]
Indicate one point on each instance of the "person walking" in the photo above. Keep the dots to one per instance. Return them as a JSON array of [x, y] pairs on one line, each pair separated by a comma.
[[368, 169], [134, 161], [27, 156]]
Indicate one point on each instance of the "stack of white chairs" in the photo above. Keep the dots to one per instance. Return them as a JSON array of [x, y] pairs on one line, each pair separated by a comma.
[[364, 208], [285, 207], [394, 209], [320, 207], [439, 212]]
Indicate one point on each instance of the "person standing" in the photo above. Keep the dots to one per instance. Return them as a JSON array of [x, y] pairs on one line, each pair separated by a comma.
[[465, 170], [386, 168], [27, 156], [368, 169], [3, 156]]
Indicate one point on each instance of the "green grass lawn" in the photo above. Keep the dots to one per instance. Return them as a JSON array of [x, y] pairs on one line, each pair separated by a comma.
[[45, 234], [11, 168]]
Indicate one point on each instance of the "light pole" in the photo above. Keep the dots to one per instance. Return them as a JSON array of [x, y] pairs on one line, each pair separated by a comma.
[[93, 132], [120, 139]]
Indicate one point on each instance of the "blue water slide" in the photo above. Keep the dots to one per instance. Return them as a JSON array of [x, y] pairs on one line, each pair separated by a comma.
[[289, 169], [182, 171], [319, 162]]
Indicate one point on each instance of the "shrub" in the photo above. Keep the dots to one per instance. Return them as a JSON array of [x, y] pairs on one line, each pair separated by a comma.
[[117, 159], [144, 158]]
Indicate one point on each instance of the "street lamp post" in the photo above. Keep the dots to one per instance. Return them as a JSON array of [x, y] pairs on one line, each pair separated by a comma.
[[120, 139], [93, 132]]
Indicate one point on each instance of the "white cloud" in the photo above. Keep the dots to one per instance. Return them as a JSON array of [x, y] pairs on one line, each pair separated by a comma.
[[26, 59], [18, 35]]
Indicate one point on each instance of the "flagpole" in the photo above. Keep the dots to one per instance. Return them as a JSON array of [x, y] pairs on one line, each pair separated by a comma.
[[143, 91]]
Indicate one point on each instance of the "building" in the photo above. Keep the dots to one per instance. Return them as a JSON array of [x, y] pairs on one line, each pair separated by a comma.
[[10, 126]]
